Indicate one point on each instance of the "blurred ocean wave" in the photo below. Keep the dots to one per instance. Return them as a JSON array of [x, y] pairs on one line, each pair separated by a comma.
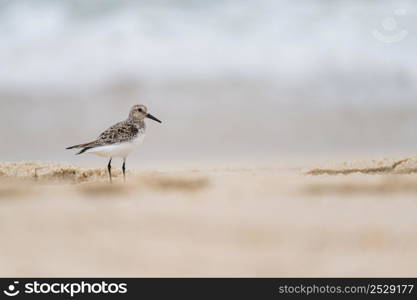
[[247, 77], [49, 42]]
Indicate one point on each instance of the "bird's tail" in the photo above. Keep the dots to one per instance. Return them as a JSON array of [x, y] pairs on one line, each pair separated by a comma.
[[84, 147], [78, 146]]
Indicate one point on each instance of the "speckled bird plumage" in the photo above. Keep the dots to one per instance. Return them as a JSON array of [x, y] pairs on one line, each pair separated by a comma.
[[122, 132]]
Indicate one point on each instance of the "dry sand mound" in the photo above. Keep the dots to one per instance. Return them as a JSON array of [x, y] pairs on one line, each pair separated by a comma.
[[403, 166], [49, 172], [24, 178], [391, 177]]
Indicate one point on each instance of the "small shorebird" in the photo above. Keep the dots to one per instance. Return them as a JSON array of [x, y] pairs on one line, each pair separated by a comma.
[[120, 139]]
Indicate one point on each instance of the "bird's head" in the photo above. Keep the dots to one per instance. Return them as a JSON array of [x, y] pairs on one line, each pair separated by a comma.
[[140, 112]]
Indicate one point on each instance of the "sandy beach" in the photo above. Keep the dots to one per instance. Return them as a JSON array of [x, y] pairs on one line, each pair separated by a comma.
[[276, 219]]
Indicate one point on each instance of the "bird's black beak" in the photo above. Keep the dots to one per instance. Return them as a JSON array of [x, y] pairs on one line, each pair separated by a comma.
[[153, 118]]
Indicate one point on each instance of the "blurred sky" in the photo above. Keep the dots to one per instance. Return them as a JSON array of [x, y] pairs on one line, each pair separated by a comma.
[[229, 78]]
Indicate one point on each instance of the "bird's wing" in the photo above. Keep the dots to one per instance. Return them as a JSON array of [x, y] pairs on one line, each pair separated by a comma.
[[118, 133]]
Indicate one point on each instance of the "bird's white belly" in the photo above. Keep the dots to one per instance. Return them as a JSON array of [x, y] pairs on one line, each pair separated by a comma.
[[117, 150]]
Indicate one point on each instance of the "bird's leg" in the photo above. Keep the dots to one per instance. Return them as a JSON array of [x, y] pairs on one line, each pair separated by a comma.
[[124, 169], [109, 168]]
